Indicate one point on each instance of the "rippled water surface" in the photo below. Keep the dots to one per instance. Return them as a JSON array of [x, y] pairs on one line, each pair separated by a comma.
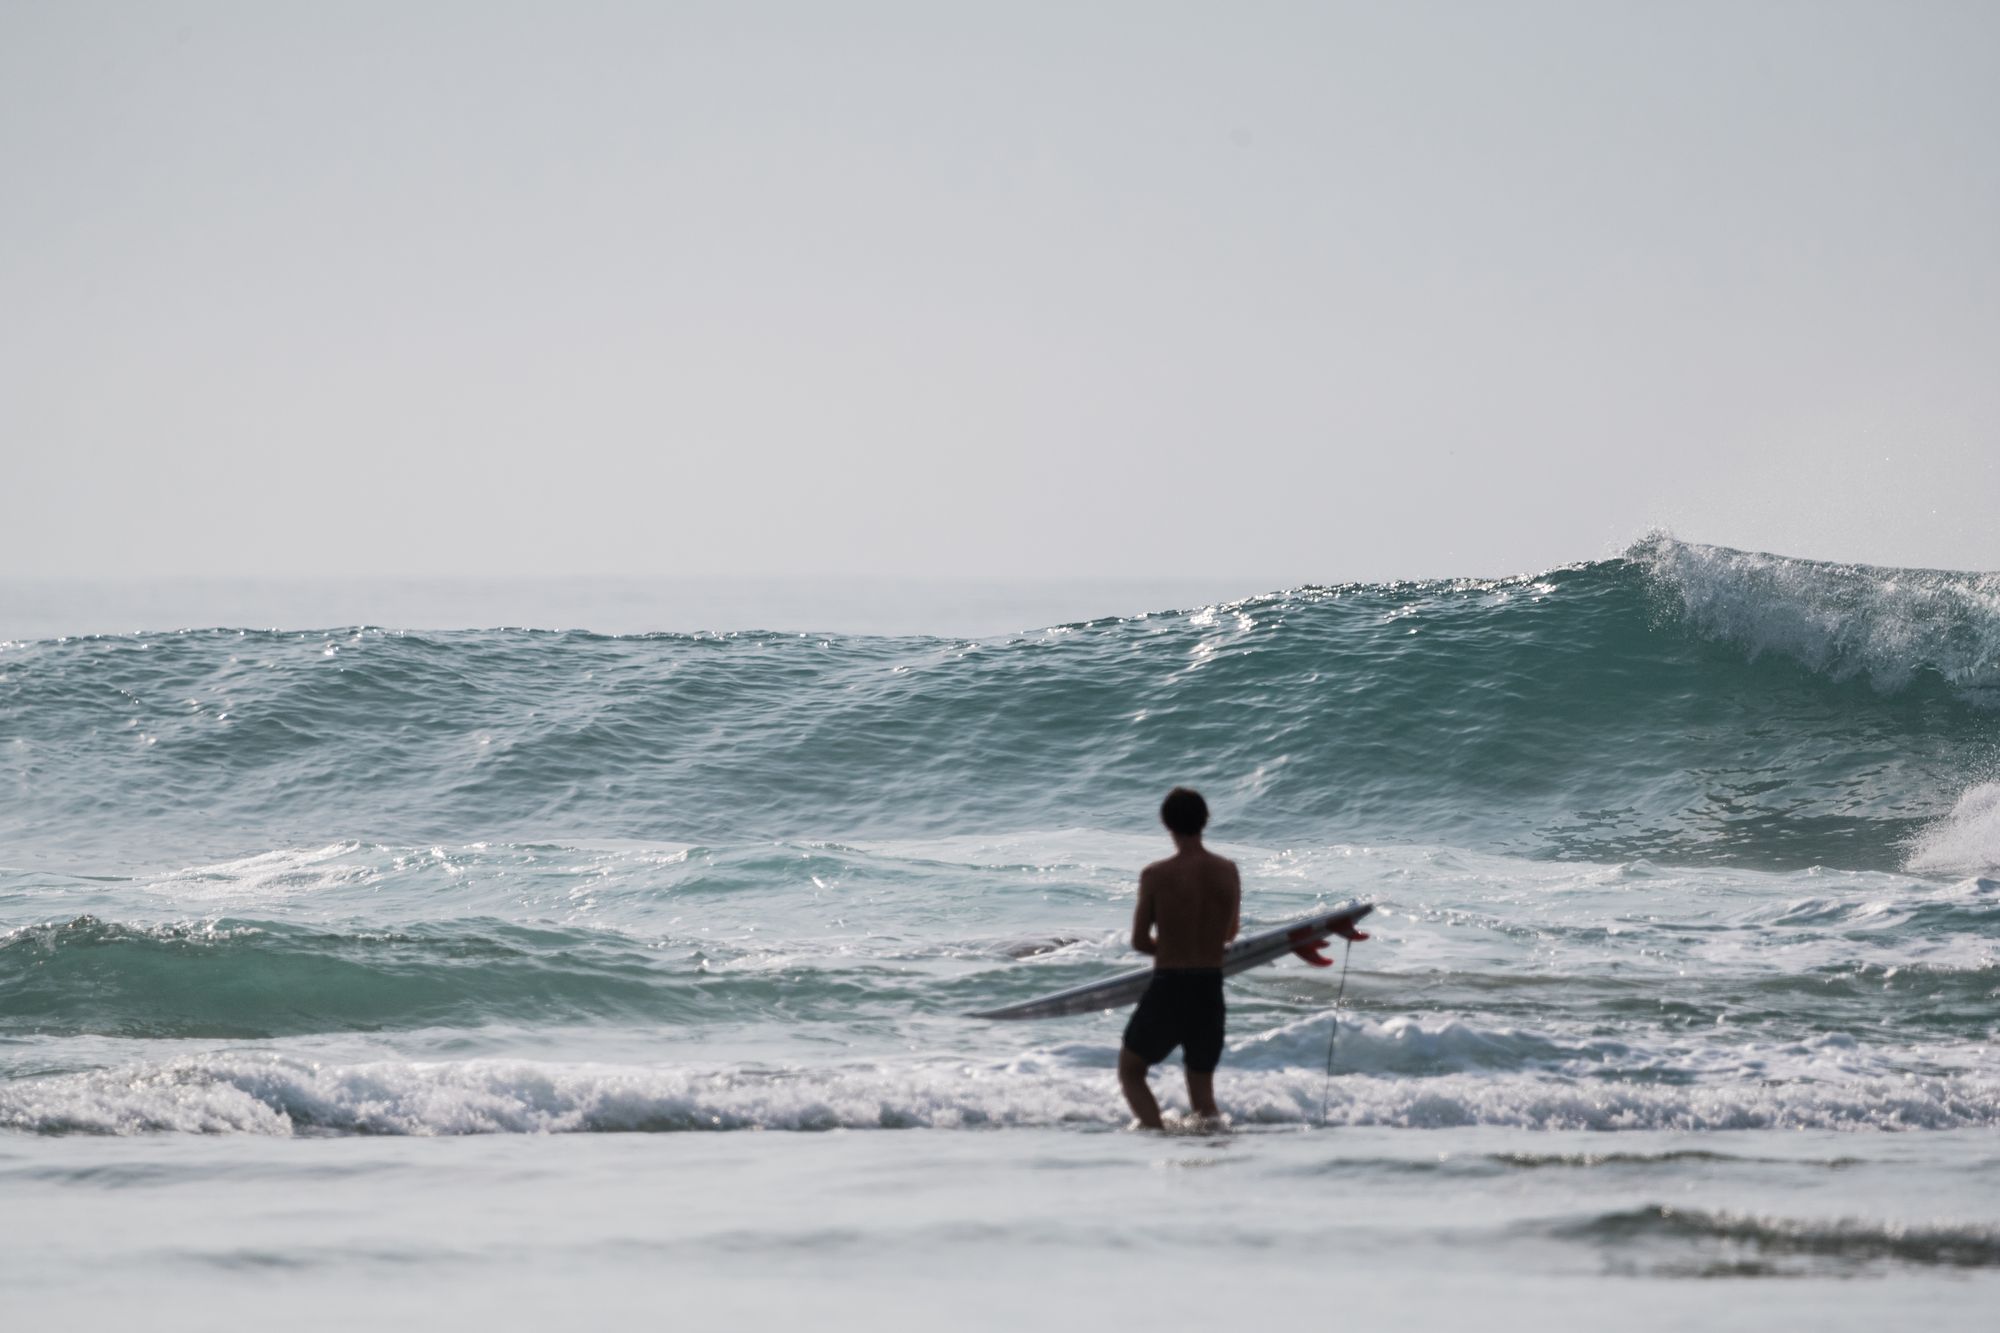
[[425, 966]]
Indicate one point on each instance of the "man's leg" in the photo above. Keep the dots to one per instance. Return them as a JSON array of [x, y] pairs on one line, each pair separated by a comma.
[[1132, 1077], [1201, 1049], [1201, 1093]]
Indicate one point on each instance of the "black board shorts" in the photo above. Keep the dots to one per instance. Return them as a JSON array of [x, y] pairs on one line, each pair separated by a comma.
[[1182, 1007]]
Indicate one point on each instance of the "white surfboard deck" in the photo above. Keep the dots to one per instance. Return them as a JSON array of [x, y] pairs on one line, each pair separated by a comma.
[[1248, 952]]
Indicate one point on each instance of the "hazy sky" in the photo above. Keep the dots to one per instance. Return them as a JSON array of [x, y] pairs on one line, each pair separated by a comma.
[[1309, 292]]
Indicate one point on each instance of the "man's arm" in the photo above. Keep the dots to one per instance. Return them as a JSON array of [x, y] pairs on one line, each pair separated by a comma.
[[1142, 914], [1235, 903]]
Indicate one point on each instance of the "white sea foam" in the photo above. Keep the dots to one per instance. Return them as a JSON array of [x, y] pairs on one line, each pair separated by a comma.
[[266, 1094], [282, 873], [1967, 839], [1844, 620]]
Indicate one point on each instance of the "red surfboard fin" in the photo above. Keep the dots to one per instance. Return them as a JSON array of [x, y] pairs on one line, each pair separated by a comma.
[[1309, 948], [1313, 950]]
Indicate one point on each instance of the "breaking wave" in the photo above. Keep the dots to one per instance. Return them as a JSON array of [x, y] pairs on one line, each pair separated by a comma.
[[262, 1093], [1684, 703]]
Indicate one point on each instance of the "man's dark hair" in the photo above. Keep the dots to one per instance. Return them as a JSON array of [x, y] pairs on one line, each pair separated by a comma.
[[1184, 812]]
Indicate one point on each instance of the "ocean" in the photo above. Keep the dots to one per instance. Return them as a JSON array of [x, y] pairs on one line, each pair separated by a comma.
[[496, 977]]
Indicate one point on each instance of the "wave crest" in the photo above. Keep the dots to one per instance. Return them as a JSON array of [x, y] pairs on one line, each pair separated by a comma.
[[1842, 620]]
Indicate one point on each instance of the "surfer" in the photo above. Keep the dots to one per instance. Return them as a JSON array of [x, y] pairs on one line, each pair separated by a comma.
[[1189, 909]]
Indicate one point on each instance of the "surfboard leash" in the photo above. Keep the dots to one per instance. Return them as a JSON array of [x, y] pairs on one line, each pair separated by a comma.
[[1333, 1035]]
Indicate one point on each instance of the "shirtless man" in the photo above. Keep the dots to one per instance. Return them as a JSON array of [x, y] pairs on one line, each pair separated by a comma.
[[1189, 908]]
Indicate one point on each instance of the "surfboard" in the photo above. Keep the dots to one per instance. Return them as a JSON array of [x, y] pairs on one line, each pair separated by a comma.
[[1306, 938]]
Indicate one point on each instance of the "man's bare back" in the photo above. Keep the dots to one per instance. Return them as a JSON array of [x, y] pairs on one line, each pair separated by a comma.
[[1189, 908]]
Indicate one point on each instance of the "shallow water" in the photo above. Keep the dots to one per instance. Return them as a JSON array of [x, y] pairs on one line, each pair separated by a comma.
[[997, 1229]]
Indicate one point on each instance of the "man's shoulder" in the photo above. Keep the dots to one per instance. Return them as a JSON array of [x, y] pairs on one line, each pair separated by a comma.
[[1194, 868]]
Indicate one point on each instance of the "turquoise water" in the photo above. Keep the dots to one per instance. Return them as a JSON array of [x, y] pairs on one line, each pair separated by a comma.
[[415, 969]]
